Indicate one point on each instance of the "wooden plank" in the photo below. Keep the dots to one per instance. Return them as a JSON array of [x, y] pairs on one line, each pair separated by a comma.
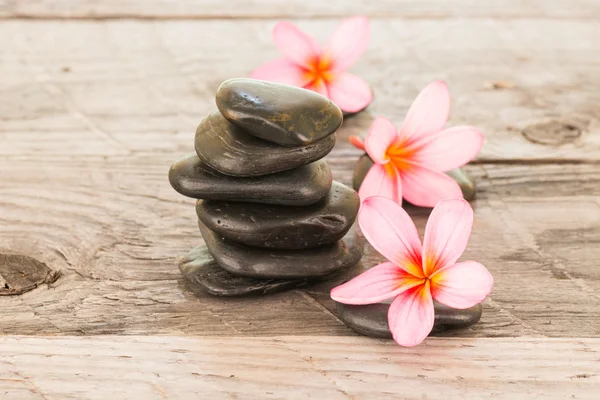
[[115, 230], [80, 88], [296, 368], [191, 9]]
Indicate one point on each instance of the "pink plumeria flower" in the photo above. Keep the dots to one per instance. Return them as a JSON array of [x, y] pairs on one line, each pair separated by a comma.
[[323, 70], [415, 275], [411, 163]]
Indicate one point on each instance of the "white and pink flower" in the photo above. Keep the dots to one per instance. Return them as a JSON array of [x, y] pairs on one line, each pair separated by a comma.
[[417, 274], [322, 69], [410, 163]]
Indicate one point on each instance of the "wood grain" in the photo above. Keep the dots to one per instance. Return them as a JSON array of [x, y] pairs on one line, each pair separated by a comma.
[[98, 98], [93, 113], [115, 230], [202, 9], [295, 367], [129, 87]]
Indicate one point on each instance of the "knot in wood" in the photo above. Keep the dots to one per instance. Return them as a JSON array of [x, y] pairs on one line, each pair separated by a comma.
[[554, 132], [20, 274]]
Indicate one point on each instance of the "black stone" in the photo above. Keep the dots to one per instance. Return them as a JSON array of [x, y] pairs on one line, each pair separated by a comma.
[[301, 186], [230, 150], [201, 270], [465, 182], [371, 319], [283, 227], [282, 114], [467, 186], [255, 262], [351, 114], [363, 165]]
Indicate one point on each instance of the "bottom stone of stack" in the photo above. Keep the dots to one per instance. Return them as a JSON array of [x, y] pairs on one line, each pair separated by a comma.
[[371, 319], [201, 270], [262, 263]]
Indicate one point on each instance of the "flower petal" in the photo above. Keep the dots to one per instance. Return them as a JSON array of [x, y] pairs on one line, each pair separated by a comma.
[[428, 113], [446, 234], [379, 283], [350, 92], [318, 86], [411, 316], [281, 70], [381, 136], [382, 180], [424, 187], [296, 45], [391, 232], [449, 149], [357, 142], [348, 42], [461, 285]]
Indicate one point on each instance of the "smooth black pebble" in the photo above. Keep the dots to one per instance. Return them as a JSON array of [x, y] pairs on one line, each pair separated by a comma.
[[230, 150], [255, 262], [301, 186], [199, 268], [282, 114], [283, 227], [371, 319]]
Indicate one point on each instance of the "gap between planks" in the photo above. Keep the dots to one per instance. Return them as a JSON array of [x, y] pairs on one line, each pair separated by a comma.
[[315, 9], [234, 18]]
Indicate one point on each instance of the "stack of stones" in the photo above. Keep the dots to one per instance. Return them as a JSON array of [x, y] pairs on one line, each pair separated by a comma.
[[268, 210]]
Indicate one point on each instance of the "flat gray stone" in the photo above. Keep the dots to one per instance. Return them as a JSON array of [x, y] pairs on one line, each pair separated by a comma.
[[282, 114], [230, 150], [465, 182], [371, 319], [254, 262], [283, 227], [201, 270], [301, 186]]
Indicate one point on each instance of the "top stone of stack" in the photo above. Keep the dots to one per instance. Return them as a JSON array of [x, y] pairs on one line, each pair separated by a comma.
[[281, 114]]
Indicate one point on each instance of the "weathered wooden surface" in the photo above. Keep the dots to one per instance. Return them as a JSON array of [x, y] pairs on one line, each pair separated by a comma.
[[93, 113], [98, 98], [129, 87], [203, 9], [293, 367], [115, 229]]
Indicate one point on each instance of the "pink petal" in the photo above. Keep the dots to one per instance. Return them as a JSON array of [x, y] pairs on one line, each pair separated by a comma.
[[296, 45], [424, 187], [382, 180], [447, 234], [381, 136], [449, 149], [411, 316], [357, 142], [350, 92], [391, 232], [379, 283], [428, 113], [462, 285], [281, 70], [348, 42], [318, 86]]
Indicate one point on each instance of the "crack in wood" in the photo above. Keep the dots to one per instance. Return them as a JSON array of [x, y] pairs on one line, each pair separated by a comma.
[[309, 360]]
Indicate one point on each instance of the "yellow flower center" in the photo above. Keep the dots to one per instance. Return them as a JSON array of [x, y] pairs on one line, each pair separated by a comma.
[[319, 71], [401, 155]]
